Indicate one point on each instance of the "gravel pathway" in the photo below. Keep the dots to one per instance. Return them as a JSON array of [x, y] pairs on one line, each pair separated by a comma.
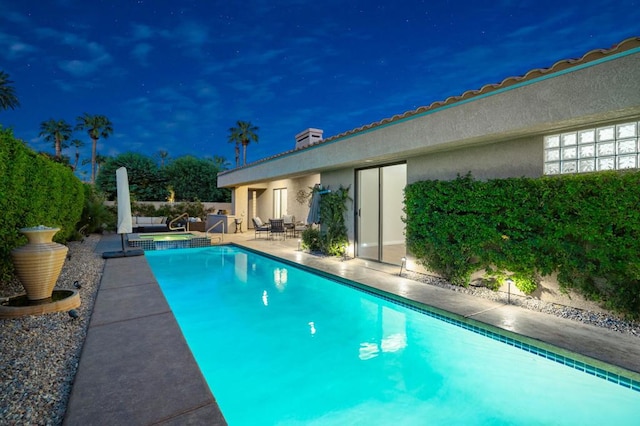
[[40, 354]]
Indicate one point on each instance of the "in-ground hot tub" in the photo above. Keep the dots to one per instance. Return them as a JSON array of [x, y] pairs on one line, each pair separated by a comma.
[[168, 240]]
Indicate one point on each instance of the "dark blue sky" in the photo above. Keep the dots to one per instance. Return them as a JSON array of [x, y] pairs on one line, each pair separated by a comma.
[[176, 74]]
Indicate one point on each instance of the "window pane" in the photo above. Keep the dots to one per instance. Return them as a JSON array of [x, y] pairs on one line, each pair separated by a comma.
[[552, 168], [569, 139], [607, 163], [627, 146], [587, 151], [627, 130], [587, 136], [552, 155], [552, 141], [569, 167], [587, 165], [607, 148], [627, 162], [606, 133], [569, 153]]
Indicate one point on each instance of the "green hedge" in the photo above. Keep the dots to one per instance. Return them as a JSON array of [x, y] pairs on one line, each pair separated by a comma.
[[584, 227], [33, 191]]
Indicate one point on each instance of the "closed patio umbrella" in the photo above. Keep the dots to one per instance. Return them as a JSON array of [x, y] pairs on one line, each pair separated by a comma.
[[314, 208], [125, 223]]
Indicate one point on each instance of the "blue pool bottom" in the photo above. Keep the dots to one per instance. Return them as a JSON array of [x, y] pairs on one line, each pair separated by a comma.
[[279, 345]]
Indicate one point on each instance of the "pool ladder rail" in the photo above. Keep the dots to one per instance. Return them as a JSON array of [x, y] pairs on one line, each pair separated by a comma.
[[221, 237], [182, 228]]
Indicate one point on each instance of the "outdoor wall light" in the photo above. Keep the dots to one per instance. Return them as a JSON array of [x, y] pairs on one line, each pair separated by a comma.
[[402, 265]]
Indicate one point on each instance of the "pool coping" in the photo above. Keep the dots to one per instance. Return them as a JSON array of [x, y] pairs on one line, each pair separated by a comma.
[[136, 367]]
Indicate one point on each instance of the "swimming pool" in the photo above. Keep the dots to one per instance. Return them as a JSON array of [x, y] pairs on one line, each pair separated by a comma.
[[279, 345]]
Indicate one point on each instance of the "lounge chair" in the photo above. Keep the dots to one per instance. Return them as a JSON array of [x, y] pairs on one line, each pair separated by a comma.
[[276, 227], [259, 227]]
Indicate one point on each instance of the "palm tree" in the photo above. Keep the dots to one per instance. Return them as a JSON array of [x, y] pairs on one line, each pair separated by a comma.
[[96, 126], [244, 133], [77, 143], [100, 160], [8, 98], [162, 155], [221, 163], [234, 137], [57, 132]]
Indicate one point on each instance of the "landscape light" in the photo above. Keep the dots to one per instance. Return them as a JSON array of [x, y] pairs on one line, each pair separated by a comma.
[[509, 282], [402, 265]]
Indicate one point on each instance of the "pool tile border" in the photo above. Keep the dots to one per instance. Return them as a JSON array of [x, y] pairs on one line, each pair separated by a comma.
[[150, 245], [601, 373]]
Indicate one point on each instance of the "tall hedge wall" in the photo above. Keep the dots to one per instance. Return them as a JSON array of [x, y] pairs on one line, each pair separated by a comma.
[[584, 227], [33, 191]]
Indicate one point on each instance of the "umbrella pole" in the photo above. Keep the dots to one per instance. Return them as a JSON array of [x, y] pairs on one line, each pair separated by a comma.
[[122, 240]]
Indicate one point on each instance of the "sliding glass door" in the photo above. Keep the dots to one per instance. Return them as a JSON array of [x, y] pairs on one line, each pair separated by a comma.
[[380, 198], [368, 213]]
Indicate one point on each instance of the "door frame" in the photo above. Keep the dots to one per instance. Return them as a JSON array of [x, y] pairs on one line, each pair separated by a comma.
[[358, 213]]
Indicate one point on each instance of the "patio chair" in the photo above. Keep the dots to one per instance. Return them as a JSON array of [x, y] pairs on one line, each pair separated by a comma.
[[259, 227], [299, 228], [276, 227], [289, 224]]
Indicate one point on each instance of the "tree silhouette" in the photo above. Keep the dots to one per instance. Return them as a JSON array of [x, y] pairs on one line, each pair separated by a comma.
[[243, 134], [97, 126], [8, 98], [58, 132]]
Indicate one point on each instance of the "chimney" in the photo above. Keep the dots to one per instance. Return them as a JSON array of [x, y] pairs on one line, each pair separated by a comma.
[[308, 137]]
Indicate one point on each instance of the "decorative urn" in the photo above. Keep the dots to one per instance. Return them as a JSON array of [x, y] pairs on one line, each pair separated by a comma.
[[38, 263]]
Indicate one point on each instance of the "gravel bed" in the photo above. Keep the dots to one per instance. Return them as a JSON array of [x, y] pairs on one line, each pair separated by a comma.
[[40, 353], [605, 320]]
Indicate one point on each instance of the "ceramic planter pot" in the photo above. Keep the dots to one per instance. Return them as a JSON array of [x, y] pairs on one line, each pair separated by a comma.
[[38, 263]]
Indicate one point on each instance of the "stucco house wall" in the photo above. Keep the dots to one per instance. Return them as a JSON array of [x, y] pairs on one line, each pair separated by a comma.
[[595, 92], [264, 197], [512, 158], [495, 132]]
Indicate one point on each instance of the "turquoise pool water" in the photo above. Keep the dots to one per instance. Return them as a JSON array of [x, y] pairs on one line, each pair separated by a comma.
[[281, 346]]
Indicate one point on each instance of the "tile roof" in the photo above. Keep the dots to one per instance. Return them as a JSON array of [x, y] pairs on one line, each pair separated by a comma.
[[593, 55]]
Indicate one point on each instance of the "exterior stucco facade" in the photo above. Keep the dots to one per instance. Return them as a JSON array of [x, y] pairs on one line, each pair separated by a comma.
[[494, 133], [513, 118]]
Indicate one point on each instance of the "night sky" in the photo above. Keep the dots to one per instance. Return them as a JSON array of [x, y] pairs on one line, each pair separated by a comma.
[[175, 75]]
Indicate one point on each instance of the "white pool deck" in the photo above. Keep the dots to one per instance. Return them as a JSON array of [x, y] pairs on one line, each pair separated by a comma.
[[136, 368]]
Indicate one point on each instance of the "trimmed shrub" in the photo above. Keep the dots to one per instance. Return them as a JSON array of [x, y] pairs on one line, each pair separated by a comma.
[[584, 227], [34, 191]]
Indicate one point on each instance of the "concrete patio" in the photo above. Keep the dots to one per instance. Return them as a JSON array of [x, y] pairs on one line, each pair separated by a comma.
[[136, 368]]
